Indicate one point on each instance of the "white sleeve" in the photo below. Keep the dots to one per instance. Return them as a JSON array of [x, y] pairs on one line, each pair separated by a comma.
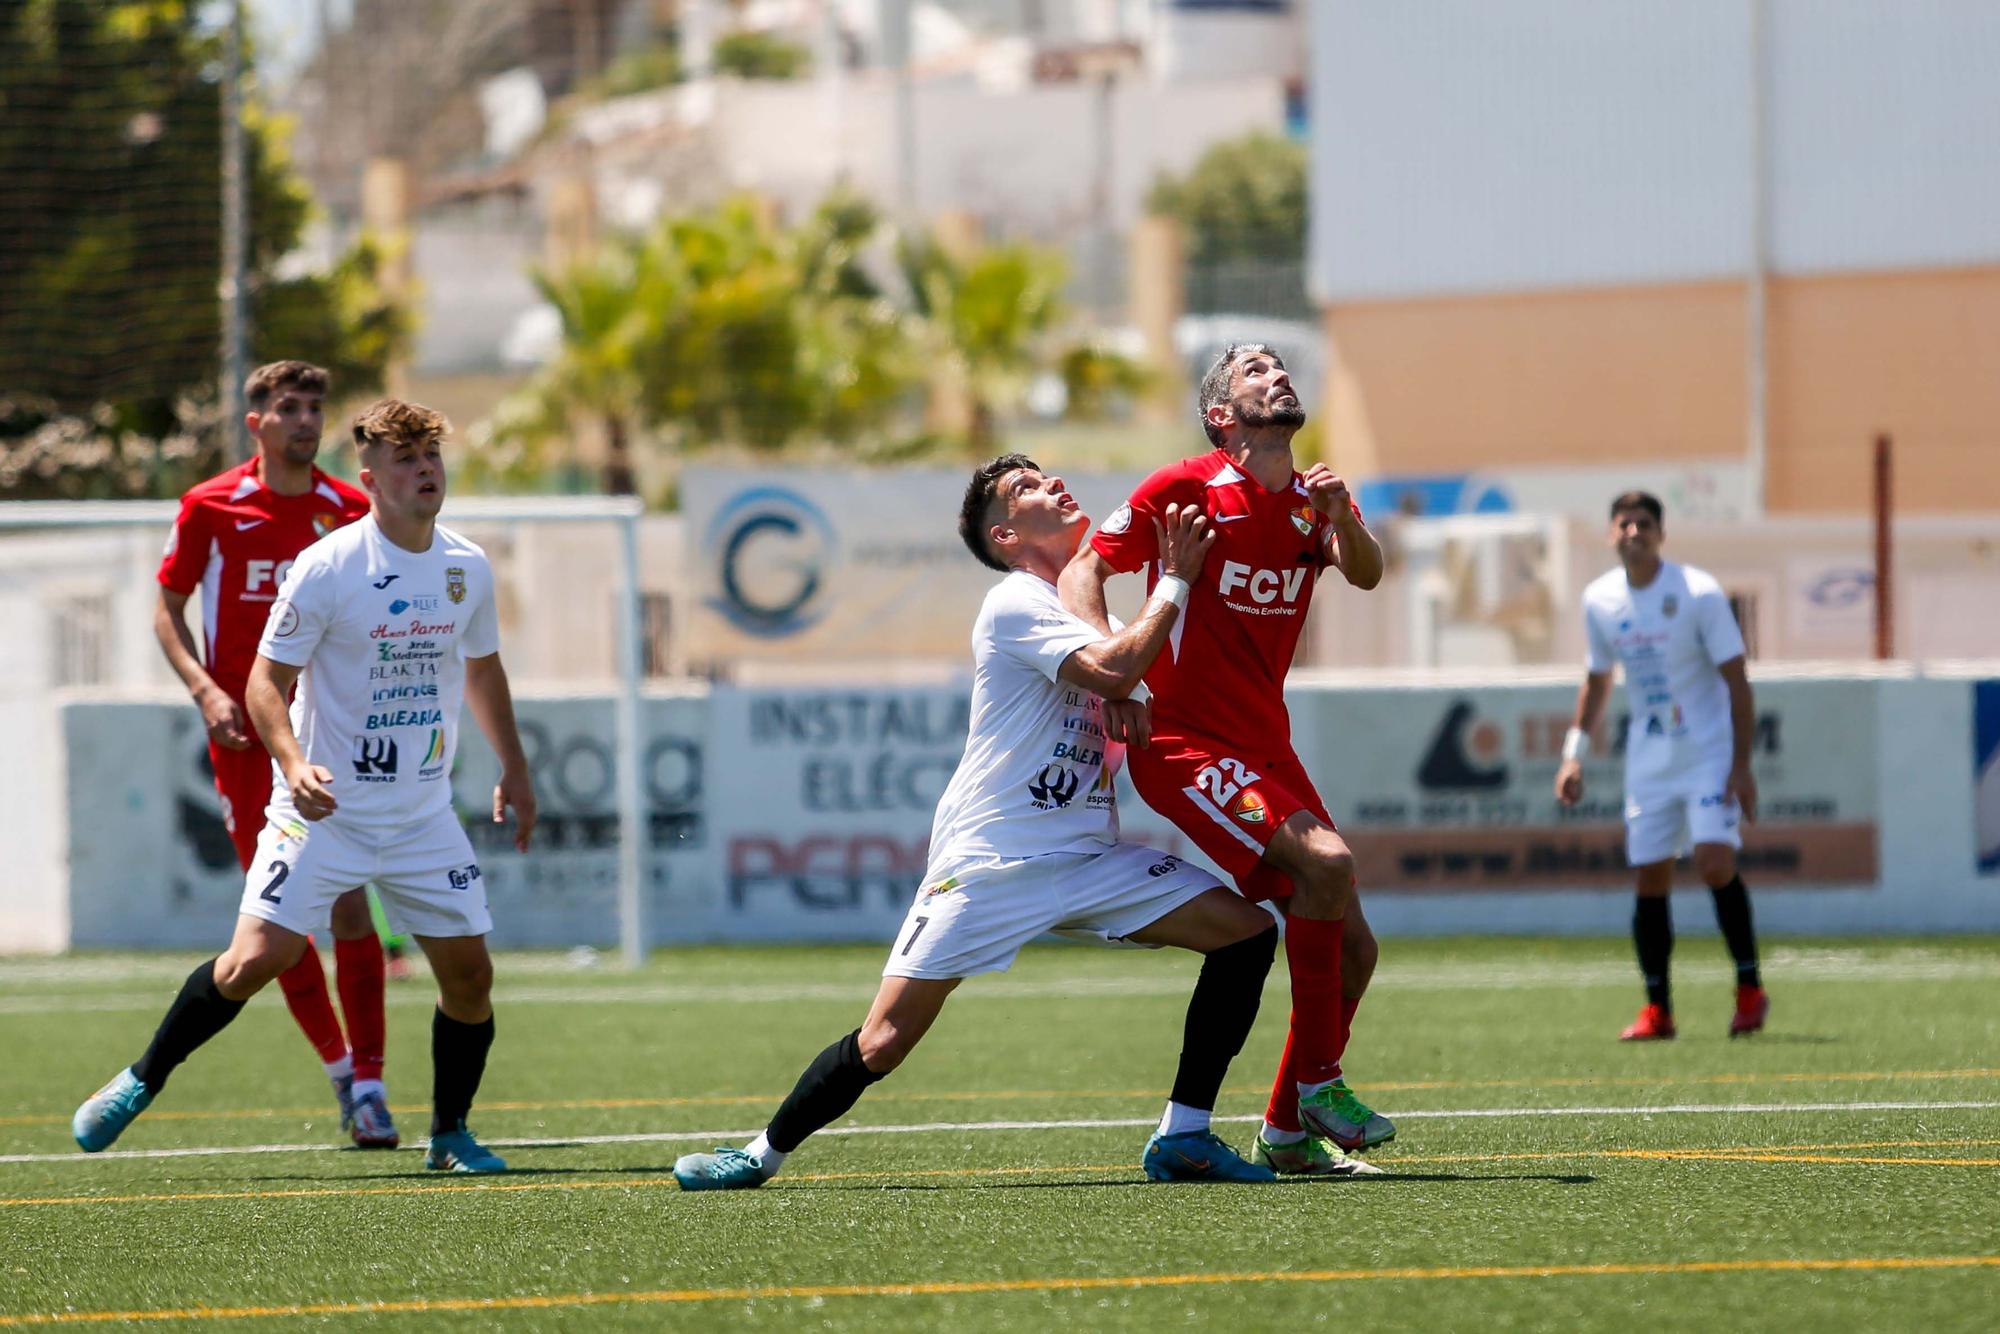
[[1721, 636], [1037, 632], [1598, 657], [298, 620], [482, 627]]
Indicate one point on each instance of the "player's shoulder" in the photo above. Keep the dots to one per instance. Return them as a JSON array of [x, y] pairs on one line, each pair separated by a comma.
[[1697, 581], [1019, 593], [1606, 589], [340, 547], [227, 485], [1195, 471], [342, 493], [455, 545]]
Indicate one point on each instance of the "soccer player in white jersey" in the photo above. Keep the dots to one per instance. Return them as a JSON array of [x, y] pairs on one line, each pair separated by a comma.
[[384, 625], [1687, 748], [1025, 840]]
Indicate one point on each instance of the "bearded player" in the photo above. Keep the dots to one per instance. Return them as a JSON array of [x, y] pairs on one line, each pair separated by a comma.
[[1220, 765], [233, 542]]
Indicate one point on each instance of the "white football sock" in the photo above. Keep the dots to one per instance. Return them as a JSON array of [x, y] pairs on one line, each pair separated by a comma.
[[1180, 1119], [341, 1068], [760, 1149], [1307, 1090], [364, 1087], [1274, 1136]]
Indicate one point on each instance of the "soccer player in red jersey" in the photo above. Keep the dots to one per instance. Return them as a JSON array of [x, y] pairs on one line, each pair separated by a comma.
[[1220, 764], [234, 539]]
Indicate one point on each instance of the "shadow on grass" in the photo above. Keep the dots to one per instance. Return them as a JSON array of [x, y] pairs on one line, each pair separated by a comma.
[[1129, 1183]]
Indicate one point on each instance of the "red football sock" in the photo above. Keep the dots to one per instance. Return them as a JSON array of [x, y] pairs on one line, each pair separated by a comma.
[[1282, 1112], [304, 985], [1312, 949], [359, 969], [1348, 1005]]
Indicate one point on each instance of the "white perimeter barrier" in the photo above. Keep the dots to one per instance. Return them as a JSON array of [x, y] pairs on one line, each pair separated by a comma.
[[802, 813]]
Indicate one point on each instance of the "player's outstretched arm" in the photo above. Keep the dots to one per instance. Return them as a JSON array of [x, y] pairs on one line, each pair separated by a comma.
[[218, 712], [1589, 706], [1113, 667], [1742, 731], [492, 701], [270, 686]]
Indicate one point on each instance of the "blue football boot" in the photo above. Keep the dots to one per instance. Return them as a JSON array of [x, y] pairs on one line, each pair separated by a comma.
[[725, 1169], [105, 1113], [1199, 1156], [457, 1151]]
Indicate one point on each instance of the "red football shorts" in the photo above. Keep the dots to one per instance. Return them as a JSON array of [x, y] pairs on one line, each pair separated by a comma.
[[1229, 800], [243, 778]]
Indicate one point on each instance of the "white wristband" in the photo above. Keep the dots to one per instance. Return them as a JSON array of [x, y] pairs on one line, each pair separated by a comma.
[[1576, 744], [1171, 588]]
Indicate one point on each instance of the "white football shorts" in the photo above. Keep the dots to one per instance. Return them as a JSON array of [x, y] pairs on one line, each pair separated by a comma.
[[1664, 820], [976, 920], [428, 877]]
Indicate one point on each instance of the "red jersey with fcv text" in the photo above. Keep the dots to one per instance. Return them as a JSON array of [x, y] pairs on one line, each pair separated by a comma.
[[234, 539], [1223, 671]]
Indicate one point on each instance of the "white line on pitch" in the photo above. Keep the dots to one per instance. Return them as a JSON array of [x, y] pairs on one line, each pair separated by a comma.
[[981, 1127]]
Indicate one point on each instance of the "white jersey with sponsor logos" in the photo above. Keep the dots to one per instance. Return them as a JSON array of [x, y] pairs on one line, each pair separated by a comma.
[[1671, 636], [1036, 777], [383, 635]]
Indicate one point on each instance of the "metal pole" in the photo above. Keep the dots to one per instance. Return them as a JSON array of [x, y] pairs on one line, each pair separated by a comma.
[[633, 834], [1755, 369], [1885, 551], [235, 241]]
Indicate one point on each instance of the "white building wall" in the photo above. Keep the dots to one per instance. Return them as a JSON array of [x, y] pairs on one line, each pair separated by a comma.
[[1465, 147]]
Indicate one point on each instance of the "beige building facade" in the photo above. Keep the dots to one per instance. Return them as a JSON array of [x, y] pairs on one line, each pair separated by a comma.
[[1557, 233]]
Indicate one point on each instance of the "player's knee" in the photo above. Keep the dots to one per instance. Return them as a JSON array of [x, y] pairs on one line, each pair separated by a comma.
[[351, 918], [1715, 864], [884, 1046], [244, 969], [1327, 886]]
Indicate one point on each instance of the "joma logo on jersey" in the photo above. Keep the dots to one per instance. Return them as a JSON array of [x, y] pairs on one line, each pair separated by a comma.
[[1264, 586], [260, 574]]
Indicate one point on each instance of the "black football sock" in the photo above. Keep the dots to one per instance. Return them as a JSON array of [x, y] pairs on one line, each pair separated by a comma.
[[1732, 914], [458, 1063], [1219, 1016], [1653, 933], [197, 1014], [833, 1083]]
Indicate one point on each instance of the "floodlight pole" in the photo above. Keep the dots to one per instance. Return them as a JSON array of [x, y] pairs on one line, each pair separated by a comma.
[[235, 242]]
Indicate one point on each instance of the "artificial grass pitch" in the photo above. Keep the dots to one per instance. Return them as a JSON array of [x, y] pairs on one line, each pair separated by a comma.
[[1840, 1170]]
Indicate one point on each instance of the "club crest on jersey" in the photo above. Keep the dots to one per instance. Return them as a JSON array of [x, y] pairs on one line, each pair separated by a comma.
[[1249, 807], [454, 583], [325, 523], [1302, 520], [1669, 605], [1120, 520]]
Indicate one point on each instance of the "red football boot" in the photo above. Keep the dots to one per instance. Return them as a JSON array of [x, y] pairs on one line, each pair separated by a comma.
[[1654, 1024], [1751, 1007]]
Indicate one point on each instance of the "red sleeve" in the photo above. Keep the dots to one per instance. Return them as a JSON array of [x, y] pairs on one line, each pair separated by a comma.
[[1126, 539], [186, 558]]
